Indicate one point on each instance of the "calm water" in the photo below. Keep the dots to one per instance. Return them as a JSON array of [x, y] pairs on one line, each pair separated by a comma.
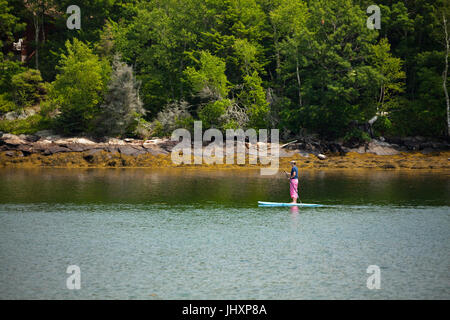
[[181, 234]]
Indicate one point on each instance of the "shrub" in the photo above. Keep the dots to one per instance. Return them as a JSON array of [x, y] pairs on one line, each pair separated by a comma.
[[212, 114], [382, 126], [29, 125], [27, 88], [8, 68], [235, 117], [231, 124], [143, 129], [6, 105], [174, 115], [157, 128], [355, 137]]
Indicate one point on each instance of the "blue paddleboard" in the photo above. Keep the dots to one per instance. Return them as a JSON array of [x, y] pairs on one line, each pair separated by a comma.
[[280, 204]]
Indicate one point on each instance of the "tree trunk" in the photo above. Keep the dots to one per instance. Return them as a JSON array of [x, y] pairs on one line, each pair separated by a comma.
[[36, 38], [181, 69], [278, 60], [42, 22], [298, 80], [444, 74]]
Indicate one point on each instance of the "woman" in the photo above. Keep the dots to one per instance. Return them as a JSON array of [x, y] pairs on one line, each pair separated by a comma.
[[293, 182]]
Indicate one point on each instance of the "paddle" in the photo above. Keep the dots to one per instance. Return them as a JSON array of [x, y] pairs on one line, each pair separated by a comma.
[[289, 177]]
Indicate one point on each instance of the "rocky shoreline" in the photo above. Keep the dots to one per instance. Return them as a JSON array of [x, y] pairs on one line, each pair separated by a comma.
[[46, 150]]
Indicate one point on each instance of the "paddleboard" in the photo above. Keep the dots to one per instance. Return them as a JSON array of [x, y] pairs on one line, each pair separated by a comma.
[[280, 204]]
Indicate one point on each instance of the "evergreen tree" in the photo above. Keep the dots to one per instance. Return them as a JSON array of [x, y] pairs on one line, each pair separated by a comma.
[[122, 108]]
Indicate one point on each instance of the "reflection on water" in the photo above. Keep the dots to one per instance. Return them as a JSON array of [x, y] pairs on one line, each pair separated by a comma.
[[187, 234], [241, 188]]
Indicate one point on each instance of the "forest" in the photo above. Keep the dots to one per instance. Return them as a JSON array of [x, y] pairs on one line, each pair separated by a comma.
[[144, 68]]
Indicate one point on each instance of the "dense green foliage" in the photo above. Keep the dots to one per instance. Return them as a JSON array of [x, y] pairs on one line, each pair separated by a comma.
[[298, 65], [27, 88], [79, 87]]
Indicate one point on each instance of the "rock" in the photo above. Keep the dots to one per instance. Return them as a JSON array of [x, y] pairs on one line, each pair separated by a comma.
[[112, 148], [115, 141], [39, 147], [168, 145], [295, 146], [94, 151], [419, 139], [53, 138], [9, 136], [66, 141], [304, 154], [127, 150], [55, 149], [12, 115], [149, 144], [131, 150], [377, 147], [128, 140], [153, 141], [44, 133], [10, 153], [382, 151], [32, 138], [26, 149], [76, 147], [321, 156], [388, 166], [156, 151], [12, 140]]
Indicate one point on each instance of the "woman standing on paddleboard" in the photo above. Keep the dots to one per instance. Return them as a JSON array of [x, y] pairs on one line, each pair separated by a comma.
[[293, 182]]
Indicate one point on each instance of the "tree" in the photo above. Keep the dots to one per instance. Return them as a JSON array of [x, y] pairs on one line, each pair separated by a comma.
[[79, 88], [9, 23], [120, 112], [209, 80], [247, 58], [289, 23], [391, 74], [332, 59], [445, 72], [253, 100], [156, 41], [38, 9]]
